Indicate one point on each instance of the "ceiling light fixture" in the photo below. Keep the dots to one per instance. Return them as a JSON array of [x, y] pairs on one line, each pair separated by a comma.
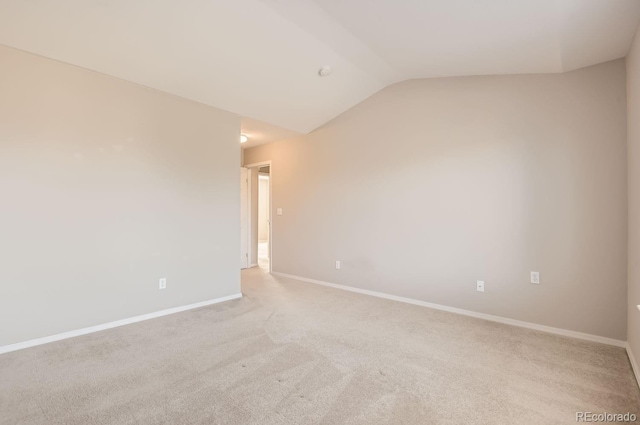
[[325, 71], [243, 138]]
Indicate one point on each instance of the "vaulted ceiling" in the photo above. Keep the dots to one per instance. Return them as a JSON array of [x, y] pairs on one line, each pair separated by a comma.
[[260, 58]]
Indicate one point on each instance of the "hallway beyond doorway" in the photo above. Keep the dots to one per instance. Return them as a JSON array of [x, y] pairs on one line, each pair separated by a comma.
[[260, 213], [264, 216]]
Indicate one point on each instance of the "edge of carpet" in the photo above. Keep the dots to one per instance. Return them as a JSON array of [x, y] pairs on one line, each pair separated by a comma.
[[110, 325], [484, 316], [634, 364]]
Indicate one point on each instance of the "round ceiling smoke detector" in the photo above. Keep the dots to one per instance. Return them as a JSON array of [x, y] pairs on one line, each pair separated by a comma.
[[325, 71]]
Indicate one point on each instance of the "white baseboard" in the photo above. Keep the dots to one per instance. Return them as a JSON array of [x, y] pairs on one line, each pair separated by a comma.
[[499, 319], [110, 325], [253, 265], [634, 364]]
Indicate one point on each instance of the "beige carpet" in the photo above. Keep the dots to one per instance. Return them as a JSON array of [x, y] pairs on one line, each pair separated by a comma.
[[296, 353], [263, 254]]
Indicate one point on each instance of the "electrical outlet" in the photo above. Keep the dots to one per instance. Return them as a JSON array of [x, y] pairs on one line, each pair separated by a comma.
[[337, 265], [535, 278], [480, 285], [162, 283], [279, 211]]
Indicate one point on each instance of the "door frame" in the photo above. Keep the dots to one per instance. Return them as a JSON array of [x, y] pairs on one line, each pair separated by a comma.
[[251, 167], [247, 221]]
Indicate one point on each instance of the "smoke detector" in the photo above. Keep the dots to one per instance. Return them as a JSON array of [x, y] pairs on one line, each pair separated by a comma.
[[325, 71]]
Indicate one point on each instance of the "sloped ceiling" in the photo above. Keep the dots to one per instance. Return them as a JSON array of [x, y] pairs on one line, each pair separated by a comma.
[[260, 58]]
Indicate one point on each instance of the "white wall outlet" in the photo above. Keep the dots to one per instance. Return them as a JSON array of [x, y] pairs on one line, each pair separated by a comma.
[[535, 278], [480, 285], [279, 211], [162, 283], [337, 265]]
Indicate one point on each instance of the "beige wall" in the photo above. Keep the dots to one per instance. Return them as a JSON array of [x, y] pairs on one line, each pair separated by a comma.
[[105, 188], [633, 129], [432, 184]]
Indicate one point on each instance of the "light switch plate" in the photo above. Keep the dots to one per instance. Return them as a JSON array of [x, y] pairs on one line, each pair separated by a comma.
[[480, 285], [279, 211]]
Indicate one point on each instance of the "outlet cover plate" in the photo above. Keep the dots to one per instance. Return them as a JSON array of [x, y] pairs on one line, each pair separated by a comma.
[[535, 278]]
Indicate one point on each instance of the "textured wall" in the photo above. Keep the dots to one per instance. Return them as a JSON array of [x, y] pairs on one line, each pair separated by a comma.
[[106, 187], [430, 185], [633, 129]]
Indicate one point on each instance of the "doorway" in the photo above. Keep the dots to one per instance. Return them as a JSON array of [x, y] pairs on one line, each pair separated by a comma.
[[264, 219], [260, 212]]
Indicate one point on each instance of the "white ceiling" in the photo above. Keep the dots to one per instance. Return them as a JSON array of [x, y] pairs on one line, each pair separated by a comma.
[[260, 58], [259, 133], [422, 38]]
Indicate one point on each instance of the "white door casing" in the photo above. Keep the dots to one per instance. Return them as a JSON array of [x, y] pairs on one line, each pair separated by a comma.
[[244, 218]]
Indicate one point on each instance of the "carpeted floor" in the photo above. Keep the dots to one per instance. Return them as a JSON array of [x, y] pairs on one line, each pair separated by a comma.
[[296, 353], [263, 254]]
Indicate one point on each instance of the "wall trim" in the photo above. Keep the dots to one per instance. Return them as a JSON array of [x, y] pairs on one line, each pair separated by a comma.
[[91, 329], [490, 317], [634, 364]]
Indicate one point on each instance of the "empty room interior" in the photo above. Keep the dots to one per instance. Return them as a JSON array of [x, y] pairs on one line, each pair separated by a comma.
[[285, 212]]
